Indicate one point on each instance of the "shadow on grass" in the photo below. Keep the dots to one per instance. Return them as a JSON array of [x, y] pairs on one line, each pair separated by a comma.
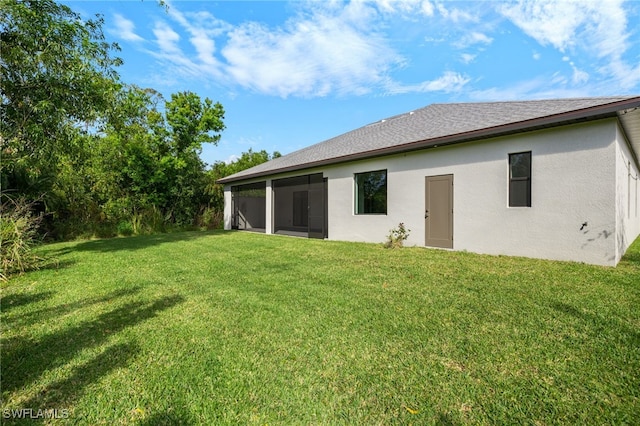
[[65, 392], [139, 242], [602, 326], [37, 315], [55, 264], [632, 256], [46, 263], [445, 419], [25, 360], [15, 300]]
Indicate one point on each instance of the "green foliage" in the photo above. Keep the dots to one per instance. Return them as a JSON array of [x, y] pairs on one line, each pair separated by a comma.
[[102, 153], [193, 122], [125, 228], [149, 221], [211, 218], [220, 169], [18, 236], [133, 172], [56, 73], [126, 168], [397, 236], [148, 170], [247, 160]]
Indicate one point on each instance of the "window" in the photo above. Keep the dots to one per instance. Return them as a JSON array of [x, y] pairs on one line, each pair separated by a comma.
[[520, 179], [371, 192]]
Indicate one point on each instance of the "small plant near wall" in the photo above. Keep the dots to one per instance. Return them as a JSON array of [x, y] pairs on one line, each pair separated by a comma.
[[396, 236]]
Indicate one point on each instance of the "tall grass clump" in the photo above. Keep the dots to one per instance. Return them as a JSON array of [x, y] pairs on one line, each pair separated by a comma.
[[18, 236], [210, 218]]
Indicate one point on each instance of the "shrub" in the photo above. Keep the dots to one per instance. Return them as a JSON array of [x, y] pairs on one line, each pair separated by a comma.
[[210, 218], [397, 236], [144, 222], [149, 221], [18, 235], [125, 228]]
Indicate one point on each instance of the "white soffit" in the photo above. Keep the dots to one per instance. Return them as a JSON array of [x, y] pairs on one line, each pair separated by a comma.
[[630, 120]]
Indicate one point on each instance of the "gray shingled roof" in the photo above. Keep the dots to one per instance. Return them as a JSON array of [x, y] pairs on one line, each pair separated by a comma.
[[441, 124]]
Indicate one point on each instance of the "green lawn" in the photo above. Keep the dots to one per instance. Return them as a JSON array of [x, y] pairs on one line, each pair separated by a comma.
[[241, 328]]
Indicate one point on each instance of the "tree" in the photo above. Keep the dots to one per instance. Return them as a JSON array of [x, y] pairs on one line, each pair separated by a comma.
[[192, 122], [221, 169], [247, 160], [56, 74], [147, 162], [99, 151], [125, 166]]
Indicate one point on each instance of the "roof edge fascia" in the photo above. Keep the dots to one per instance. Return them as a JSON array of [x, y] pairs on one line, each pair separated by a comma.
[[570, 117]]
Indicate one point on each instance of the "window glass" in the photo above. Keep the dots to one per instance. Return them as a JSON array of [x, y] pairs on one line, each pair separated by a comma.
[[520, 165], [371, 192], [520, 179]]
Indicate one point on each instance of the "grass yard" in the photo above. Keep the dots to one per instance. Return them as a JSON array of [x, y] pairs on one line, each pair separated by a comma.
[[241, 328]]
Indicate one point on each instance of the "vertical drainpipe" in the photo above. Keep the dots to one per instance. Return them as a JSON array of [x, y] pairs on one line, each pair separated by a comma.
[[227, 207], [269, 208]]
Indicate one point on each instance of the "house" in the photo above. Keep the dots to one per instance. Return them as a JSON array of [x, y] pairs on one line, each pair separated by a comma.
[[552, 179]]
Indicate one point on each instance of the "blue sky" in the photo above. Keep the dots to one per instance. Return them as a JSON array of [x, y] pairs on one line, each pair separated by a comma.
[[291, 74]]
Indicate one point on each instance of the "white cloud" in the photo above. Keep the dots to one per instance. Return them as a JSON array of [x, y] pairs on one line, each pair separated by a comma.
[[342, 48], [166, 38], [426, 8], [606, 28], [477, 37], [473, 38], [324, 49], [449, 82], [125, 29], [593, 28], [456, 15], [467, 58], [310, 56], [175, 62], [232, 159], [435, 40], [409, 7], [628, 76], [547, 21], [579, 76], [203, 27], [541, 87], [205, 47]]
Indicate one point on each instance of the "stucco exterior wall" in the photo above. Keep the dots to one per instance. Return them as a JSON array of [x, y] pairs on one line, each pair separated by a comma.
[[573, 183], [627, 196], [578, 179]]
